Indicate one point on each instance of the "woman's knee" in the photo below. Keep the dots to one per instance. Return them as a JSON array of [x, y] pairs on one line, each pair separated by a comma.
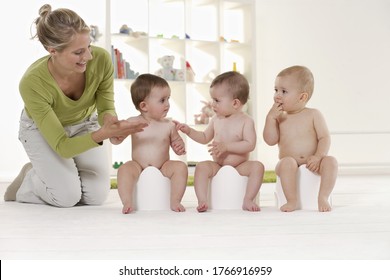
[[95, 191], [67, 194]]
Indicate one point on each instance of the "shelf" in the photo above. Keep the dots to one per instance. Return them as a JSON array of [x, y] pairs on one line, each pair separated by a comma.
[[211, 35]]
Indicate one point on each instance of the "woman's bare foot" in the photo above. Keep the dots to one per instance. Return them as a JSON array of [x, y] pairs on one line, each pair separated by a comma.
[[323, 205], [249, 205], [202, 207], [289, 206]]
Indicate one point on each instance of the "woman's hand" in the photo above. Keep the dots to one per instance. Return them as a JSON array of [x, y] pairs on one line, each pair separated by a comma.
[[116, 130]]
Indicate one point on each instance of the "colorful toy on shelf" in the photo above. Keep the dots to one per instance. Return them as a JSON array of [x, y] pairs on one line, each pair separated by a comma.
[[127, 30], [167, 71], [190, 74], [205, 115], [116, 165], [94, 33]]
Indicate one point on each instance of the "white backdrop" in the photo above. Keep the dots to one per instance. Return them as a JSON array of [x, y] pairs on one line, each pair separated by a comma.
[[346, 43]]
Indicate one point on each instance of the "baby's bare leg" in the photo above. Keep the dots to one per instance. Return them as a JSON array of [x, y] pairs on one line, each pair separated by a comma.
[[254, 170], [204, 171], [177, 172], [328, 172], [287, 169], [128, 175]]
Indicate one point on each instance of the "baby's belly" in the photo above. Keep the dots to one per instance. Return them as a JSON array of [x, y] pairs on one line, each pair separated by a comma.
[[151, 158]]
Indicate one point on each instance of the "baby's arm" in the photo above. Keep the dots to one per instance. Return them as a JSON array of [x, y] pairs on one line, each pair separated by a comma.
[[177, 142], [202, 137], [323, 137], [271, 127]]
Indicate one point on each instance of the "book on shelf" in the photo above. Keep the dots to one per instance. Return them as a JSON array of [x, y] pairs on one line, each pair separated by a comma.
[[122, 68]]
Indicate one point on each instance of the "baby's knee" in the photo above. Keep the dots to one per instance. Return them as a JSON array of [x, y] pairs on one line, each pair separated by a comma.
[[258, 166], [180, 167], [329, 163], [286, 163]]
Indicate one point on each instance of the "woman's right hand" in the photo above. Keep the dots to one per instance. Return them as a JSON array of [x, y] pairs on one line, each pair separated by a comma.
[[117, 131]]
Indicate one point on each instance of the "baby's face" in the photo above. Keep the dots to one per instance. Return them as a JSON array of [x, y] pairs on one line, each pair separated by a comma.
[[222, 101], [288, 94], [157, 103]]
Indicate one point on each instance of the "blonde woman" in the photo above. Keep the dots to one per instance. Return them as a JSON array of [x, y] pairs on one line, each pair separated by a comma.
[[68, 113]]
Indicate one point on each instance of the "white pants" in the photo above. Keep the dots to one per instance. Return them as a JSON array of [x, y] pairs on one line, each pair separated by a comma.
[[60, 181]]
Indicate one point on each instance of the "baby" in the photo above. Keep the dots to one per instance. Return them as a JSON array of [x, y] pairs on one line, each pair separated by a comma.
[[234, 137], [150, 95], [301, 134]]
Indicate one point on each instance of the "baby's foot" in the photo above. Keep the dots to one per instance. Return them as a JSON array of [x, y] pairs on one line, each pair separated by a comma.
[[249, 205], [323, 205], [202, 207], [289, 207], [177, 207], [127, 209]]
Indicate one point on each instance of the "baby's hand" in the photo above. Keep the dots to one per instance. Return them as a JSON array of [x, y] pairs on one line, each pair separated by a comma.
[[313, 164], [116, 140], [178, 147], [217, 149], [275, 111], [182, 127]]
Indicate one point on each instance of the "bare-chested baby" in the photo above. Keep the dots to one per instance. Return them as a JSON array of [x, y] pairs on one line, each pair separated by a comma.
[[150, 95], [301, 134], [234, 137]]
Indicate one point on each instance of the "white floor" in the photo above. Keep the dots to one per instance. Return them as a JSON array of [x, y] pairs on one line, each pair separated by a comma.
[[358, 228]]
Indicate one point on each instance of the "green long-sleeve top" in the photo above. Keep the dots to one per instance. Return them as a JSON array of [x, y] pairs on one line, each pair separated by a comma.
[[51, 109]]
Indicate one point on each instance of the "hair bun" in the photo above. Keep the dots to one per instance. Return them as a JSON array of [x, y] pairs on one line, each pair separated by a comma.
[[44, 10]]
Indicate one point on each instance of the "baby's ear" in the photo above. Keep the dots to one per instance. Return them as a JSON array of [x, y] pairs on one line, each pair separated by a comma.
[[236, 103], [304, 96], [142, 106]]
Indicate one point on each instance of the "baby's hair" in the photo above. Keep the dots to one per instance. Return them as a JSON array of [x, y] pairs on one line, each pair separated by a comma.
[[304, 77], [237, 83], [143, 85], [56, 29]]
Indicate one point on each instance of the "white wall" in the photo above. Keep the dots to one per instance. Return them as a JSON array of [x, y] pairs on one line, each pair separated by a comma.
[[346, 43]]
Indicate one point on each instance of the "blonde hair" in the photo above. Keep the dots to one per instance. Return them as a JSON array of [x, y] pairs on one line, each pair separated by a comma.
[[304, 77], [237, 83], [56, 29], [143, 85]]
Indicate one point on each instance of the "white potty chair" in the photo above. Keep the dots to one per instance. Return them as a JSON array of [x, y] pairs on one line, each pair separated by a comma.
[[308, 187], [227, 189], [153, 190]]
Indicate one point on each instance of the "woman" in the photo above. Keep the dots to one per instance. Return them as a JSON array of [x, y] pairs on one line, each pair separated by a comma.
[[68, 112]]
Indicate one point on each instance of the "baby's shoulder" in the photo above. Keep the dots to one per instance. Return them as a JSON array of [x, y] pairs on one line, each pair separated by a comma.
[[245, 118], [135, 118], [313, 112]]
